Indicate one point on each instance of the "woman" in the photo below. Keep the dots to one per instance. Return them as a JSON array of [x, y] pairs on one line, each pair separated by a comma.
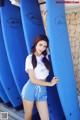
[[37, 66]]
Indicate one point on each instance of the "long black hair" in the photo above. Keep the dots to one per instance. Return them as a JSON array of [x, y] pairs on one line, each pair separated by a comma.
[[44, 59]]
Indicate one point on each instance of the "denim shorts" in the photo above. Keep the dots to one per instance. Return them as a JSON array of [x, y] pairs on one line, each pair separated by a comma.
[[33, 92]]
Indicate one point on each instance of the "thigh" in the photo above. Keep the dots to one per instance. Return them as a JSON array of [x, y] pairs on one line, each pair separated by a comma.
[[28, 107], [41, 107]]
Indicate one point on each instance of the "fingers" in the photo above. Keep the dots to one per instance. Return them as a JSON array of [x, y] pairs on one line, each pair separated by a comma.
[[55, 77], [56, 81]]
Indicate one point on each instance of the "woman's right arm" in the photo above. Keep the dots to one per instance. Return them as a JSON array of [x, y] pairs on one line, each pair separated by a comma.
[[41, 82]]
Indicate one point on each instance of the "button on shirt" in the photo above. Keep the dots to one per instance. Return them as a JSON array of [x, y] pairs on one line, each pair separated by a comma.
[[41, 72]]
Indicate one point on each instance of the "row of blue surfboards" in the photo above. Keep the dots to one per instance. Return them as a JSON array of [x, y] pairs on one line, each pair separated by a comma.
[[18, 28]]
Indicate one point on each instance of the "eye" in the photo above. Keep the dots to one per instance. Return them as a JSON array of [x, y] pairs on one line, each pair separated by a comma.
[[40, 44], [45, 46]]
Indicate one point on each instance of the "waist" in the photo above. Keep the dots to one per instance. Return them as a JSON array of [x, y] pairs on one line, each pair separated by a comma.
[[34, 85]]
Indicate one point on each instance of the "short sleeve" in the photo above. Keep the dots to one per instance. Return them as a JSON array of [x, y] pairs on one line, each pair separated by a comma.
[[28, 63], [47, 57], [48, 53]]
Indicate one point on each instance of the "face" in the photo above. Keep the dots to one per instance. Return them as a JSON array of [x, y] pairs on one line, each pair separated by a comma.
[[41, 46]]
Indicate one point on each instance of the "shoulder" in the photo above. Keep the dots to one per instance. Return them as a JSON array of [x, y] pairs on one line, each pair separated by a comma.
[[28, 63], [29, 56]]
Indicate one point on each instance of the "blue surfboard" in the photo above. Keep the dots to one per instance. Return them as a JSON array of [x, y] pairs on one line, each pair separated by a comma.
[[33, 26], [30, 18], [62, 59], [7, 80], [3, 95], [14, 42]]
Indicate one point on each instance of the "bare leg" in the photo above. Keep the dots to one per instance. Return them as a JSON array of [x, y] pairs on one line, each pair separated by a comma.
[[42, 108], [28, 107]]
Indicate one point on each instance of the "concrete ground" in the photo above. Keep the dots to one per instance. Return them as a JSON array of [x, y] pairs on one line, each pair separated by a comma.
[[14, 114]]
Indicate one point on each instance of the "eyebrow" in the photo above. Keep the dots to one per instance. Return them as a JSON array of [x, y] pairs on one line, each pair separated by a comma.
[[44, 45]]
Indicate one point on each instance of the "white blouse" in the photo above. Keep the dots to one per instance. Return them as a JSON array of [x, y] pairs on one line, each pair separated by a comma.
[[41, 72]]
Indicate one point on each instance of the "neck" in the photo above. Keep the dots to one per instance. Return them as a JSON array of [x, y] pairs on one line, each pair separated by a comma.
[[37, 54]]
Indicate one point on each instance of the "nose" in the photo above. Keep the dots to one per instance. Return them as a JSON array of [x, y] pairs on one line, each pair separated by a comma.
[[42, 48]]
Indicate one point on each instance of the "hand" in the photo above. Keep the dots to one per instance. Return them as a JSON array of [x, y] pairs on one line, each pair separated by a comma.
[[54, 81]]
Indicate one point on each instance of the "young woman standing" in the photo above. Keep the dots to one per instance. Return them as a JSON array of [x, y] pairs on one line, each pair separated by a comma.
[[37, 66]]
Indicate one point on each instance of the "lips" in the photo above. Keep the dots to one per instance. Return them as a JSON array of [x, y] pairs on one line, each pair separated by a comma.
[[40, 51]]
